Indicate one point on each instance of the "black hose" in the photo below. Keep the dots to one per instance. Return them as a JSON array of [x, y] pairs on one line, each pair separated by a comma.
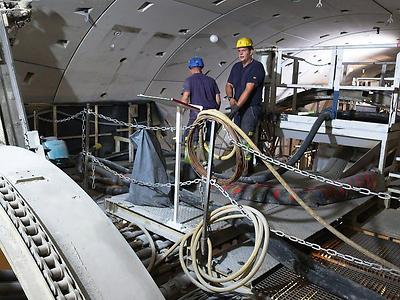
[[325, 116], [113, 165], [112, 190]]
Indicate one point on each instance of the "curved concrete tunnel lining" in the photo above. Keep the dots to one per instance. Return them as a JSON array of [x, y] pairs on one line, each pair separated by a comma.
[[126, 82]]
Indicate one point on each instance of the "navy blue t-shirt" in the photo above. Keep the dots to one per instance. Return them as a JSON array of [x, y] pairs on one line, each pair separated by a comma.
[[202, 89], [252, 73]]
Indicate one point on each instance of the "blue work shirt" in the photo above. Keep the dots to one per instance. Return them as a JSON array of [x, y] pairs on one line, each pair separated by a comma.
[[203, 90], [252, 73]]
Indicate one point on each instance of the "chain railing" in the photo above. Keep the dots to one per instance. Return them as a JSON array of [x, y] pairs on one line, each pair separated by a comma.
[[334, 253], [138, 126], [70, 118], [139, 182], [113, 121], [292, 238], [313, 246], [345, 186]]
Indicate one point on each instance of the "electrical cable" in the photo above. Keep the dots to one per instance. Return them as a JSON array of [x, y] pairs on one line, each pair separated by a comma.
[[204, 277], [216, 115], [266, 176]]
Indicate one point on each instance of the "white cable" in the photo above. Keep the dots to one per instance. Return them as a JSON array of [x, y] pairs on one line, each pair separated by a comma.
[[204, 277], [152, 246]]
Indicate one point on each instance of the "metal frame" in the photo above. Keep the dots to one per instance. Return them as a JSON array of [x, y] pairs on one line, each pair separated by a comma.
[[343, 132], [335, 75], [179, 106], [11, 103]]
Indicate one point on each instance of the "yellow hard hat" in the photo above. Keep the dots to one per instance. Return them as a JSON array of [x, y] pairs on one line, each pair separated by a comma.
[[244, 42]]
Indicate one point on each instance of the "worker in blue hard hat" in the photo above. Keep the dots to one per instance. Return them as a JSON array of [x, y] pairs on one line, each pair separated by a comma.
[[199, 89], [244, 87]]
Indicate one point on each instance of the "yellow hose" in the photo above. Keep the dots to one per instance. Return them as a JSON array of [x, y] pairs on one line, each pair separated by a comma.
[[214, 114]]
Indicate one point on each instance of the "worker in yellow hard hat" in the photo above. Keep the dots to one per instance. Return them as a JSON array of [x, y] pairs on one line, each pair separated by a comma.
[[244, 89]]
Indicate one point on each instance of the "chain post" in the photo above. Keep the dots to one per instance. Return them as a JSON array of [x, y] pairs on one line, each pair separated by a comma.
[[86, 148], [93, 175]]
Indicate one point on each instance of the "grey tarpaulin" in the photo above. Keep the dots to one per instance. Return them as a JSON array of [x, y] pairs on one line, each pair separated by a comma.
[[149, 166]]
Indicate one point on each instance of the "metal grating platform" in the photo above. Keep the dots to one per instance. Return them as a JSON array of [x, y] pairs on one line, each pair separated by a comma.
[[155, 219], [282, 283], [385, 284], [385, 225]]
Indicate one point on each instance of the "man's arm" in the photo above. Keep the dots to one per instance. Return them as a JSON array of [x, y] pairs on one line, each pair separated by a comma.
[[229, 93], [250, 86], [218, 100], [185, 97]]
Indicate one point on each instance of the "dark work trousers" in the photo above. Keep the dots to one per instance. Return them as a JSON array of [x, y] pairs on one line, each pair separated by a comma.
[[248, 118], [196, 131]]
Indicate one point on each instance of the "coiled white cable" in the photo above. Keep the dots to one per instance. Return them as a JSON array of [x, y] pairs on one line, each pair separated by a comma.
[[204, 277]]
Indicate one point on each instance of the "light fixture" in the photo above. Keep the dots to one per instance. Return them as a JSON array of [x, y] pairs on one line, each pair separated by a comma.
[[85, 11], [183, 31], [214, 38], [218, 2], [145, 6]]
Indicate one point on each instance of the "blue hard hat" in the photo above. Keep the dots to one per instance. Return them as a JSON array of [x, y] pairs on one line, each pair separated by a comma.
[[195, 62]]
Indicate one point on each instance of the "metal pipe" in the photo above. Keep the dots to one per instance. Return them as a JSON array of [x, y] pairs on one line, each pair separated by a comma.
[[206, 196], [87, 141], [178, 137], [369, 46]]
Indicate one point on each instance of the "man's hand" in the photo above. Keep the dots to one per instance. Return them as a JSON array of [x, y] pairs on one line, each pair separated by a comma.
[[232, 101], [234, 109]]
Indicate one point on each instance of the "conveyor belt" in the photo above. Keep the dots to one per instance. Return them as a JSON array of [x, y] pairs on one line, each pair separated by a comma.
[[281, 283], [51, 228]]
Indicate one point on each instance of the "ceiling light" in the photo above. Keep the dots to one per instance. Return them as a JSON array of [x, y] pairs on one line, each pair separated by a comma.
[[183, 31], [213, 38], [145, 6], [218, 2]]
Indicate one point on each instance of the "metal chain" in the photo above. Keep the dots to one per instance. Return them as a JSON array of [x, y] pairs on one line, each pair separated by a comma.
[[346, 186], [139, 182], [137, 126], [93, 175], [26, 140], [335, 253], [83, 131], [213, 182], [52, 265], [314, 246], [114, 121], [75, 116]]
